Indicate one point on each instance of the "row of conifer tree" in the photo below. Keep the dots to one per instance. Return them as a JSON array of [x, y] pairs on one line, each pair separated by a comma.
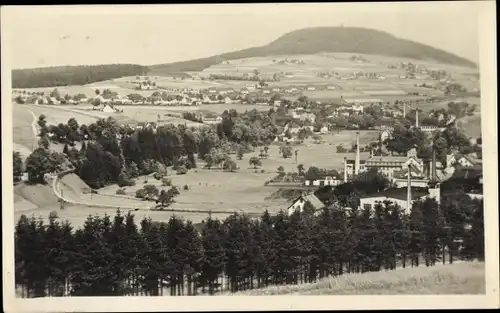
[[113, 256]]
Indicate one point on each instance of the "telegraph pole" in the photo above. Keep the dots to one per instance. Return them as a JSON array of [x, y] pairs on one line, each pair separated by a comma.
[[62, 199]]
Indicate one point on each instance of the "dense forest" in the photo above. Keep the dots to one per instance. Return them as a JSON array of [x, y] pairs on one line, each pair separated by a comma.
[[72, 75], [115, 256], [326, 39]]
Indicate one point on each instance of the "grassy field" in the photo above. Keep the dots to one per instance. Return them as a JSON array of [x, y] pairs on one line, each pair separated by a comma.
[[55, 115], [458, 278], [244, 190], [472, 125], [23, 138], [77, 214]]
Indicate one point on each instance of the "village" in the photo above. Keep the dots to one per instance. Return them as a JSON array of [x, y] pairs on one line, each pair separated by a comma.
[[265, 152]]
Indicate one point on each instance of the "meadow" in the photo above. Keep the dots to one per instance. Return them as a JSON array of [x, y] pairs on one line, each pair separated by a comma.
[[464, 278], [472, 125], [244, 190], [23, 138]]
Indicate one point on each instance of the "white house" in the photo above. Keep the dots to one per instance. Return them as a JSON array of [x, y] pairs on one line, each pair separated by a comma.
[[357, 108], [478, 196], [53, 100], [207, 120], [107, 109], [299, 204], [327, 181], [324, 130], [469, 160], [293, 129]]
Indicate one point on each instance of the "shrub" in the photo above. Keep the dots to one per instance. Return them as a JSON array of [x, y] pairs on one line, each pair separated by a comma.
[[120, 191], [124, 180], [166, 182], [186, 187], [158, 176], [53, 215], [145, 181], [181, 170], [262, 171], [141, 194]]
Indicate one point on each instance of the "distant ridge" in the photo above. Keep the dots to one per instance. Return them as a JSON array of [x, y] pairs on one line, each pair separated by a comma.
[[72, 75], [327, 39]]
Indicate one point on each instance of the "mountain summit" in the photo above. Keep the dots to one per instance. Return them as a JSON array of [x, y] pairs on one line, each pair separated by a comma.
[[329, 39]]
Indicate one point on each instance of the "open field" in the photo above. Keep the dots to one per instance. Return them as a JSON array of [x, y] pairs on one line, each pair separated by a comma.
[[213, 189], [55, 115], [472, 125], [244, 190], [150, 113], [458, 278], [77, 214], [23, 138]]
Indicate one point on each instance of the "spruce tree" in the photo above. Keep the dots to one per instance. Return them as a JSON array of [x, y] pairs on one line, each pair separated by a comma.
[[191, 249], [175, 231], [22, 246], [416, 232], [265, 253], [212, 266], [432, 229], [54, 246]]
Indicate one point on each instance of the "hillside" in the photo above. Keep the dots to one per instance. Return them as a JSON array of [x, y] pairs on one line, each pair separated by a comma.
[[326, 39], [72, 75], [456, 278]]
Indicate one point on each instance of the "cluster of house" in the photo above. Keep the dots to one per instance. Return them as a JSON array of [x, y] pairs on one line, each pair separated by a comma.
[[411, 182], [411, 177]]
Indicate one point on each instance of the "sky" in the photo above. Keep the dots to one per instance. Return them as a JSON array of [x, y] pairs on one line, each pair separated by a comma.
[[153, 34]]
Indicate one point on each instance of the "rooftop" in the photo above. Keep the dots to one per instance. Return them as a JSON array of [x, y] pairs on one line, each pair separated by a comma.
[[314, 201], [400, 193], [401, 159]]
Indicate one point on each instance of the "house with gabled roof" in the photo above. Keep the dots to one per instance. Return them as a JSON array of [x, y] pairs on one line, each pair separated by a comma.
[[304, 201]]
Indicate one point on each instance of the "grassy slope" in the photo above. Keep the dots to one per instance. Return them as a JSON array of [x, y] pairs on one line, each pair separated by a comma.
[[457, 278], [326, 39]]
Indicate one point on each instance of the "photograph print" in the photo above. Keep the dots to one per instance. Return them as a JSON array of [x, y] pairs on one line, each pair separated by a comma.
[[247, 150]]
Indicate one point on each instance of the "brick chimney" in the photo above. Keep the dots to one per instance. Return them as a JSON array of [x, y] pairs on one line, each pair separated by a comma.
[[356, 164], [408, 188], [416, 118], [433, 166], [345, 169]]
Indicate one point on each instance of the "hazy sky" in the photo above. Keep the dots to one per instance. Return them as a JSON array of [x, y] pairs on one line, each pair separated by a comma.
[[151, 34]]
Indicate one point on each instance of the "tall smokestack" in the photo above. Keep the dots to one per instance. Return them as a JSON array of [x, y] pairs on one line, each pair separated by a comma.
[[345, 169], [433, 173], [416, 118], [356, 164], [408, 188]]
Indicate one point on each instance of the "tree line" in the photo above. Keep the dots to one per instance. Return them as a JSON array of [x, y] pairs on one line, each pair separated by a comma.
[[112, 153], [113, 256], [72, 75]]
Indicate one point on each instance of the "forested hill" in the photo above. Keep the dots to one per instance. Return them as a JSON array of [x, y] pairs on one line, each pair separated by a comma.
[[328, 39], [72, 75]]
